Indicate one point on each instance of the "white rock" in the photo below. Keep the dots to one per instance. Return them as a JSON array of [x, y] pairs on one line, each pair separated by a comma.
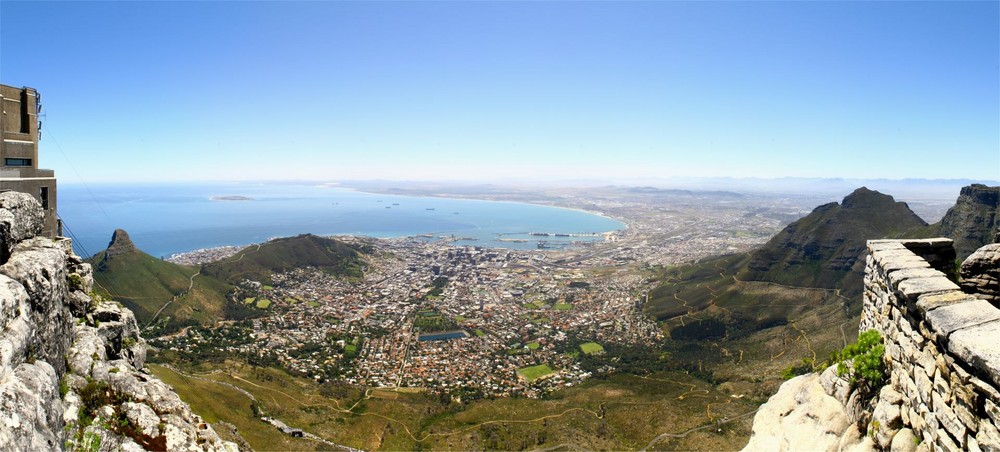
[[800, 416]]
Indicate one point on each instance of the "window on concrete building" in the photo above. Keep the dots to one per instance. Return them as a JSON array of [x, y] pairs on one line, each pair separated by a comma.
[[44, 194], [17, 162]]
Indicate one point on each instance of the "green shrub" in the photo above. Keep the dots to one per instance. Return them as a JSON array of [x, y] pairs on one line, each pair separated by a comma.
[[863, 362], [793, 370], [75, 282]]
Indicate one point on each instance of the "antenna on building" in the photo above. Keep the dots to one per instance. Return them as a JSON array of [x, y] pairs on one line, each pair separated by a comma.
[[38, 113]]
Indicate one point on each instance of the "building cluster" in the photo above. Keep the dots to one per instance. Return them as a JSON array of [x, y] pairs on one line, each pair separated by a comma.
[[470, 320], [507, 310]]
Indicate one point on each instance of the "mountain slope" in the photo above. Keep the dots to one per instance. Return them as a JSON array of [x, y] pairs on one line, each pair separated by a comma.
[[279, 255], [824, 248], [750, 316], [146, 285], [974, 219], [140, 281]]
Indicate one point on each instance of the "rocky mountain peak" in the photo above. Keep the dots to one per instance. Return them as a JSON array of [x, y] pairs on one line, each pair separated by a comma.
[[120, 244], [866, 198], [974, 220], [982, 194], [823, 248]]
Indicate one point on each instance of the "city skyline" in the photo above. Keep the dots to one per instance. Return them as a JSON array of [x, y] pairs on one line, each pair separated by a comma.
[[496, 90]]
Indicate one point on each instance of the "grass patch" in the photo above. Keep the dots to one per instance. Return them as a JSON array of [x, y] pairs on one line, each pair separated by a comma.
[[250, 300], [313, 304], [533, 346], [479, 333], [263, 303], [591, 348], [563, 306], [535, 372]]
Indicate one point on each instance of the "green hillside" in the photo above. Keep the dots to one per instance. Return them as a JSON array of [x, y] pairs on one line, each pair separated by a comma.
[[142, 282], [146, 285], [259, 262]]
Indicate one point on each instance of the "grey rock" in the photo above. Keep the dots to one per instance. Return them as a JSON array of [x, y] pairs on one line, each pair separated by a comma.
[[889, 395], [924, 385], [904, 441], [981, 273], [977, 346], [897, 277], [947, 418], [21, 218], [39, 266], [30, 407], [948, 319], [928, 302], [853, 440], [44, 312], [800, 416], [837, 387], [947, 444], [886, 421], [971, 444], [916, 287], [79, 303], [143, 417], [988, 436]]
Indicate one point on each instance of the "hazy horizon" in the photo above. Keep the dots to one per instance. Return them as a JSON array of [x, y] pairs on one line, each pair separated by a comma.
[[178, 91]]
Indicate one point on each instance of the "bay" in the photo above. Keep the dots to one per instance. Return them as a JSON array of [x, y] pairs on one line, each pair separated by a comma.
[[167, 219]]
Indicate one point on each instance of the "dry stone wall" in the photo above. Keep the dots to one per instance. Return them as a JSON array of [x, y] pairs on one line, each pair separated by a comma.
[[942, 348]]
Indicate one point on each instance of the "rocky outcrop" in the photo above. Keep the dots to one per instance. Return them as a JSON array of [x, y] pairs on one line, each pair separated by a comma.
[[803, 416], [120, 245], [981, 274], [974, 219], [71, 364], [19, 220]]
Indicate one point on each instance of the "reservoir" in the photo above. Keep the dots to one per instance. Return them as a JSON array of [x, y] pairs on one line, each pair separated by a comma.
[[166, 219], [442, 336]]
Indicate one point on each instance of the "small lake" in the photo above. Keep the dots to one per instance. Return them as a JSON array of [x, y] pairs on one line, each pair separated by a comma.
[[166, 219]]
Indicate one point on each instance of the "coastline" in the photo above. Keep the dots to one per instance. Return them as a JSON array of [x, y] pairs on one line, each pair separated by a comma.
[[598, 231], [624, 222]]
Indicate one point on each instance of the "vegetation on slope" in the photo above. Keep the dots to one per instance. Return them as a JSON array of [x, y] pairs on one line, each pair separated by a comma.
[[145, 284], [178, 295], [258, 263], [825, 248]]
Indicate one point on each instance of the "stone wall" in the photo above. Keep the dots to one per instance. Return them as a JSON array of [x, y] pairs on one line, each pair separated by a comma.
[[942, 348], [71, 364]]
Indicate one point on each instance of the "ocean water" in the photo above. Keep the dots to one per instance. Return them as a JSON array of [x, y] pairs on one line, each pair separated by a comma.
[[166, 219]]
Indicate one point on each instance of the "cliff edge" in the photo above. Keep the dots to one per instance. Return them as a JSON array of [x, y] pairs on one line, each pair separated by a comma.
[[71, 365]]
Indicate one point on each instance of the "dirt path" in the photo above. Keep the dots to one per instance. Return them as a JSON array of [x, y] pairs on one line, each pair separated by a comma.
[[175, 297], [687, 432]]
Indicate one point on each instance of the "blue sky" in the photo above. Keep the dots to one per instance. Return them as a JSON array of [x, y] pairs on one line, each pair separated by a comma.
[[172, 91]]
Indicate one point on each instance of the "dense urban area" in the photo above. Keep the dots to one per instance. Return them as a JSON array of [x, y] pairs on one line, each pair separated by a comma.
[[482, 322]]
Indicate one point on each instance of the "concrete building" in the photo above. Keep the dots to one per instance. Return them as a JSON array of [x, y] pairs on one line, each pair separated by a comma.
[[19, 152]]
